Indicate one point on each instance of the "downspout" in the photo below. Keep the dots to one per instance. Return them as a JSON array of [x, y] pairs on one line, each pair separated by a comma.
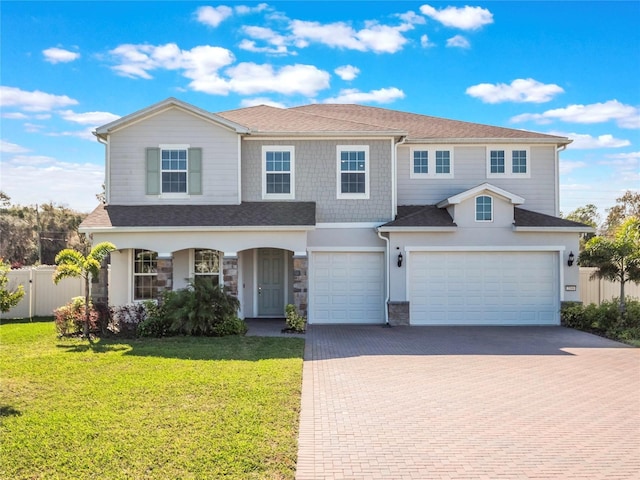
[[387, 278], [107, 167], [394, 177], [557, 182]]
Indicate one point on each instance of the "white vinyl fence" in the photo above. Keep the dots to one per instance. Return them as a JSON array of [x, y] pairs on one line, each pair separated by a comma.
[[41, 295], [597, 290]]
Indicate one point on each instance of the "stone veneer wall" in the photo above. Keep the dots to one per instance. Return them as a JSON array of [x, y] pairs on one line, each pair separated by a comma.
[[301, 284], [230, 275], [398, 313], [164, 280]]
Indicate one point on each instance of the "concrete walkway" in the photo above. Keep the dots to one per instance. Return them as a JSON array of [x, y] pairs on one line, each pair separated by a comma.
[[467, 403]]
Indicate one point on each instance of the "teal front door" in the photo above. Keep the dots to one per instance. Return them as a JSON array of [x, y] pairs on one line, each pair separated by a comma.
[[270, 282]]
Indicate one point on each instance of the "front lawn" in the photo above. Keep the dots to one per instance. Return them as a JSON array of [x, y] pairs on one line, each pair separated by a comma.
[[180, 407]]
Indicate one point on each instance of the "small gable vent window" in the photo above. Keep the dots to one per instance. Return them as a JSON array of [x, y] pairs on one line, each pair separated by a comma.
[[484, 208]]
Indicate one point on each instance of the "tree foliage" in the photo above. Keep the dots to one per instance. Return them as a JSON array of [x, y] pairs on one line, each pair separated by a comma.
[[35, 234], [9, 298], [628, 205], [617, 258], [589, 216], [71, 263]]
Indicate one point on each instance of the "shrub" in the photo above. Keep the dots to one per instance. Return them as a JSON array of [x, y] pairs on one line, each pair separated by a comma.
[[126, 318], [605, 319], [69, 319], [295, 321], [197, 309], [231, 325]]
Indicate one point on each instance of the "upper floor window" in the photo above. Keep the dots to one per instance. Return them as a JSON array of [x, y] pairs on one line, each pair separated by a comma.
[[508, 162], [174, 170], [278, 172], [206, 263], [353, 171], [432, 162], [145, 275], [484, 208]]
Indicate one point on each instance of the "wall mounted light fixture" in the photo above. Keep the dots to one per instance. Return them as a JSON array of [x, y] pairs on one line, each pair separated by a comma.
[[571, 259], [399, 260]]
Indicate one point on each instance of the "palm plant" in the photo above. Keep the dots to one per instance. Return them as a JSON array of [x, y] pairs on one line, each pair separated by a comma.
[[72, 263]]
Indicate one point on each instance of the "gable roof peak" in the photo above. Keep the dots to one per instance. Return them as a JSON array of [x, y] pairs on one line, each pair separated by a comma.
[[484, 187]]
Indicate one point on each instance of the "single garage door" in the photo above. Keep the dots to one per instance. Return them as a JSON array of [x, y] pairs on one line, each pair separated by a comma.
[[484, 288], [346, 287]]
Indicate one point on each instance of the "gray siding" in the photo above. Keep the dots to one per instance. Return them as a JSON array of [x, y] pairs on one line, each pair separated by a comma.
[[315, 178], [469, 166], [219, 158]]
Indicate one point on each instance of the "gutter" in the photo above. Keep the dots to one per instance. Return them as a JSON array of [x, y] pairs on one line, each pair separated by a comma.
[[387, 278]]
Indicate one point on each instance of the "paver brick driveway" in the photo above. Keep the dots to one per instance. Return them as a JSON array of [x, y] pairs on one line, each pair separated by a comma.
[[468, 403]]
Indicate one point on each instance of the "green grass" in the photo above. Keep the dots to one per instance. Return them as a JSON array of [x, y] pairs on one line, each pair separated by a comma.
[[172, 408]]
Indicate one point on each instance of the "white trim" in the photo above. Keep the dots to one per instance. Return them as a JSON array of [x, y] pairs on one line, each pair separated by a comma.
[[349, 225], [554, 229], [475, 208], [239, 169], [418, 229], [345, 249], [472, 192], [508, 161], [292, 175], [490, 141], [494, 248], [175, 146], [107, 179], [367, 169], [394, 161], [561, 274], [192, 261], [295, 136], [255, 282], [431, 162]]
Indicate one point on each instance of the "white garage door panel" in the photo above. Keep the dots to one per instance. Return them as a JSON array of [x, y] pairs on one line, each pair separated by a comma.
[[347, 287], [484, 288]]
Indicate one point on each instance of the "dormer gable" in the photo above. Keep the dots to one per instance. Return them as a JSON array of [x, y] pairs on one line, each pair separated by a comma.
[[482, 206], [160, 107]]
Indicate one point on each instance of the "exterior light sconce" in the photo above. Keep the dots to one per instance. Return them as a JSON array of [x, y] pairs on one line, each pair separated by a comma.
[[571, 259], [399, 260]]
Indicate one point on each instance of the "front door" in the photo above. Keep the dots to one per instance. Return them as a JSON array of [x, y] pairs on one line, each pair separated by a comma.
[[270, 282]]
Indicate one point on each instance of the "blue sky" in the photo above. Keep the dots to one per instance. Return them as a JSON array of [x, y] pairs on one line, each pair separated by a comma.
[[567, 68]]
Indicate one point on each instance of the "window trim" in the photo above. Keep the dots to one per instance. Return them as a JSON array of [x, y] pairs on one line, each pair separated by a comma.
[[142, 274], [431, 162], [508, 161], [475, 203], [192, 265], [292, 176], [172, 146], [367, 160]]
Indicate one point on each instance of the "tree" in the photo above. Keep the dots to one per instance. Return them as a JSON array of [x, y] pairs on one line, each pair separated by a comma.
[[8, 298], [628, 205], [616, 259], [589, 216], [71, 263]]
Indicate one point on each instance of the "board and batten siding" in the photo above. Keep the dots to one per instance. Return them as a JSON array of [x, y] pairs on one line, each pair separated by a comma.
[[470, 170], [127, 149], [316, 178]]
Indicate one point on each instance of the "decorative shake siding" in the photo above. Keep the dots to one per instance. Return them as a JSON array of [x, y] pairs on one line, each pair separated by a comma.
[[316, 178], [470, 170], [128, 162]]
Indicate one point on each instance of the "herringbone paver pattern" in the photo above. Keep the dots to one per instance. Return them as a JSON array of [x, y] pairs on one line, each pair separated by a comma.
[[468, 403]]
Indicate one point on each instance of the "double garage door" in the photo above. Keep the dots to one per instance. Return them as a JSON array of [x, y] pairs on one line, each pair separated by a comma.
[[484, 288], [346, 287]]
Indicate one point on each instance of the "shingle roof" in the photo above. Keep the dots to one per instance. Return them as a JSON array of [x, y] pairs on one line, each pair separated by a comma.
[[527, 218], [247, 214], [266, 119], [420, 126], [421, 216]]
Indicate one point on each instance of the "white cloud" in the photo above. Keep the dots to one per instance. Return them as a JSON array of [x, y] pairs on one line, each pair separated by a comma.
[[85, 134], [626, 166], [425, 42], [374, 37], [383, 95], [252, 102], [583, 141], [278, 42], [31, 179], [94, 119], [411, 17], [347, 72], [465, 18], [625, 116], [568, 166], [32, 127], [245, 10], [458, 41], [59, 55], [35, 101], [15, 116], [520, 90], [8, 147], [213, 16], [250, 78], [624, 156]]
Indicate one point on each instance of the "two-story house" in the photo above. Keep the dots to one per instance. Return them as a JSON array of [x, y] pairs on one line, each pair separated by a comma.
[[355, 214]]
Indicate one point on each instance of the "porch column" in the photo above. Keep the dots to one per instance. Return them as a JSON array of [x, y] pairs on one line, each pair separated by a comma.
[[300, 282], [164, 280], [230, 272]]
